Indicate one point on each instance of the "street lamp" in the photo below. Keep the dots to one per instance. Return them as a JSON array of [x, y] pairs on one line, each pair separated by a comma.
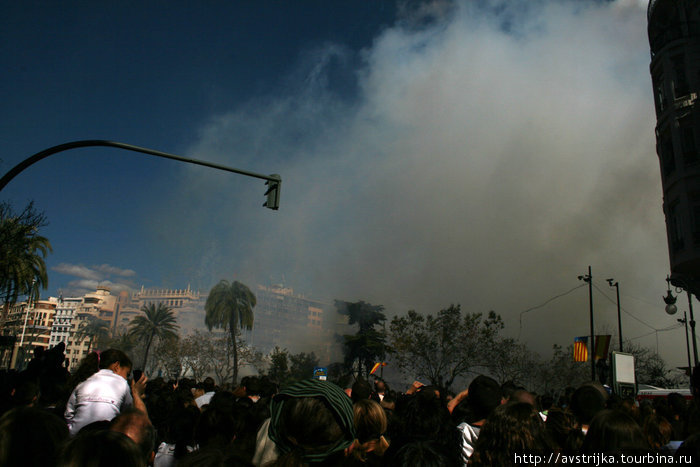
[[671, 309], [619, 316], [589, 279]]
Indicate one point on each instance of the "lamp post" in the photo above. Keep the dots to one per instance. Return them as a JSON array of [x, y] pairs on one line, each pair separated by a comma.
[[589, 278], [619, 316], [671, 309]]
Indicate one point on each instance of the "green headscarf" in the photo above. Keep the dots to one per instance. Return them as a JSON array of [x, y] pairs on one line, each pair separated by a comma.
[[336, 400]]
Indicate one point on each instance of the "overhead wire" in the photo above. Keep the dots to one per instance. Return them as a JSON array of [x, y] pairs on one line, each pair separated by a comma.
[[543, 304], [623, 309]]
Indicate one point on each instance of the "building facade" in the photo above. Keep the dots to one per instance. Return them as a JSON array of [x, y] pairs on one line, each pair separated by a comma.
[[674, 39], [29, 324]]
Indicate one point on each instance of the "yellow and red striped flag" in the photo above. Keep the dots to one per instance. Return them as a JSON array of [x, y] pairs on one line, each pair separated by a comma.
[[602, 345], [581, 349], [376, 367]]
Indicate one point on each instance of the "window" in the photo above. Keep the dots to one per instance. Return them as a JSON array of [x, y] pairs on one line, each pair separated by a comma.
[[659, 95], [675, 227], [668, 160], [680, 82], [687, 132]]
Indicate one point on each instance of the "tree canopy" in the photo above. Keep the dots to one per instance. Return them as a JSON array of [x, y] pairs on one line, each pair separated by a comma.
[[94, 329], [368, 344], [157, 321], [444, 346], [230, 306], [22, 266]]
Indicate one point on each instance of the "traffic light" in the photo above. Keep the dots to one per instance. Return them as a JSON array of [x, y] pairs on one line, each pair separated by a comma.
[[273, 192]]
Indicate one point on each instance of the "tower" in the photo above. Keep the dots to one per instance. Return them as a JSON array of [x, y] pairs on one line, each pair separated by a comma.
[[674, 38]]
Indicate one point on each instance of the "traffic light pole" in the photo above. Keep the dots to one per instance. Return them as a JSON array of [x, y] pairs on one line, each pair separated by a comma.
[[273, 180]]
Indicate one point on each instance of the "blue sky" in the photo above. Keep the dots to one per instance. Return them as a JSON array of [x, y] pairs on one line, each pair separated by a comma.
[[431, 152]]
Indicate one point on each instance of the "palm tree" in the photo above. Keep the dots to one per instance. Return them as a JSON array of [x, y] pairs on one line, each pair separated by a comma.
[[230, 306], [157, 321], [93, 328], [22, 253]]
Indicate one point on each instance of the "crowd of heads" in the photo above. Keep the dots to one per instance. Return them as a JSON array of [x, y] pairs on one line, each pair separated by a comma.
[[199, 423]]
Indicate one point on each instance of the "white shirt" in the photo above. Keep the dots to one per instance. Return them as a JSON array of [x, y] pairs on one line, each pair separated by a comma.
[[469, 435], [100, 397], [204, 399]]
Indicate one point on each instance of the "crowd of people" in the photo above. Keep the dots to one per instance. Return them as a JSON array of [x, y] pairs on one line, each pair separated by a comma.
[[105, 414]]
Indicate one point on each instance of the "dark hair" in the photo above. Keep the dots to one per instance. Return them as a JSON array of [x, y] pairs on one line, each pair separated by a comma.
[[690, 447], [208, 384], [103, 448], [612, 431], [360, 390], [563, 432], [586, 402], [421, 454], [87, 367], [514, 427], [483, 397], [30, 436], [220, 421], [111, 356], [657, 431]]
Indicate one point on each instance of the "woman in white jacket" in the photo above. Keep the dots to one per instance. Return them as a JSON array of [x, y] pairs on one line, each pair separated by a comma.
[[106, 393]]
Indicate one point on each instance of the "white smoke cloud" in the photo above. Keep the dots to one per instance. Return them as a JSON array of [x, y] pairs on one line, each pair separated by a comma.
[[490, 156]]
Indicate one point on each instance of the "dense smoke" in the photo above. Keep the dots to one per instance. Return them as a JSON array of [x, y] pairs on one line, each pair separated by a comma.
[[487, 153]]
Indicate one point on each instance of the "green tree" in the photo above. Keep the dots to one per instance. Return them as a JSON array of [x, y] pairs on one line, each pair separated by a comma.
[[169, 357], [93, 328], [157, 321], [443, 347], [22, 266], [561, 371], [301, 365], [279, 365], [230, 306], [195, 349], [124, 342], [368, 344], [510, 360]]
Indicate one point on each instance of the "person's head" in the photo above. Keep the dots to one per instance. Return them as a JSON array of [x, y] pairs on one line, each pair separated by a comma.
[[370, 425], [677, 404], [253, 387], [312, 421], [136, 425], [198, 390], [117, 361], [380, 386], [483, 397], [612, 431], [30, 436], [361, 390], [221, 421], [586, 402], [563, 431], [421, 453], [521, 395], [657, 431], [514, 427], [103, 448], [209, 384]]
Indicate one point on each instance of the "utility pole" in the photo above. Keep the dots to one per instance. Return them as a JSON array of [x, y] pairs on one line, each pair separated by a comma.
[[619, 316], [589, 278]]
